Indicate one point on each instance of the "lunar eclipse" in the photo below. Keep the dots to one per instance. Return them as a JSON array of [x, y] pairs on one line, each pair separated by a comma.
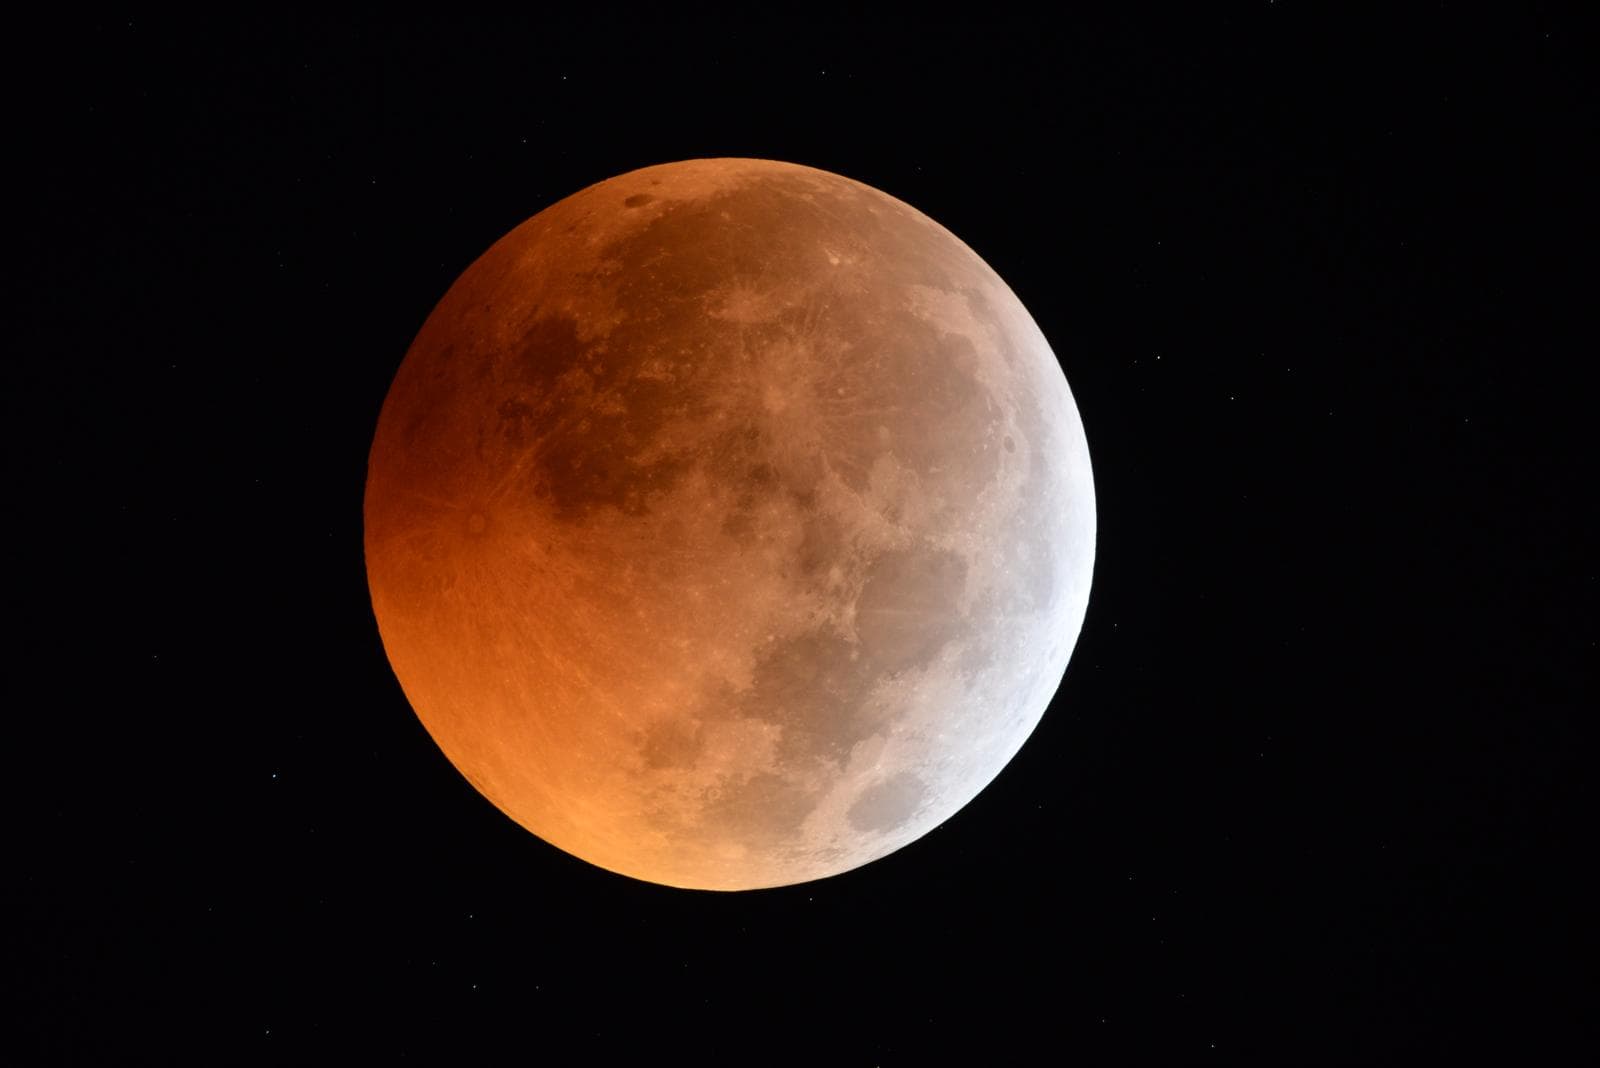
[[729, 524]]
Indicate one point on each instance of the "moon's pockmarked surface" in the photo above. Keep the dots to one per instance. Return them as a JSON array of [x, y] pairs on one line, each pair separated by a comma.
[[729, 524]]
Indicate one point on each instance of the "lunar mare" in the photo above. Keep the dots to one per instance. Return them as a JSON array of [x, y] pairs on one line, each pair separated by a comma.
[[729, 524]]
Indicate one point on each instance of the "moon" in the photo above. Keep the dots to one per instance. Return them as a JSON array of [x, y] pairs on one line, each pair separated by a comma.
[[729, 524]]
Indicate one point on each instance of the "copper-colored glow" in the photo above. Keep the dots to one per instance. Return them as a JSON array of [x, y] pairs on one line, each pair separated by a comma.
[[729, 524]]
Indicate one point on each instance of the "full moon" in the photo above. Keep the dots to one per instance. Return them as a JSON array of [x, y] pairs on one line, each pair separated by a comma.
[[729, 524]]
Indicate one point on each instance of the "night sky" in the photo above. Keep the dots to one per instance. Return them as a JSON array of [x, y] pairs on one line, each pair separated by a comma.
[[1309, 791]]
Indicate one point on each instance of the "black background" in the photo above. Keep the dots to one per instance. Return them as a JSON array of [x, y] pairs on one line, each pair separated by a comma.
[[1309, 789]]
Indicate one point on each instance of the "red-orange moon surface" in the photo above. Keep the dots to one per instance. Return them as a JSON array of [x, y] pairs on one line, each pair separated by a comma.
[[729, 524]]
